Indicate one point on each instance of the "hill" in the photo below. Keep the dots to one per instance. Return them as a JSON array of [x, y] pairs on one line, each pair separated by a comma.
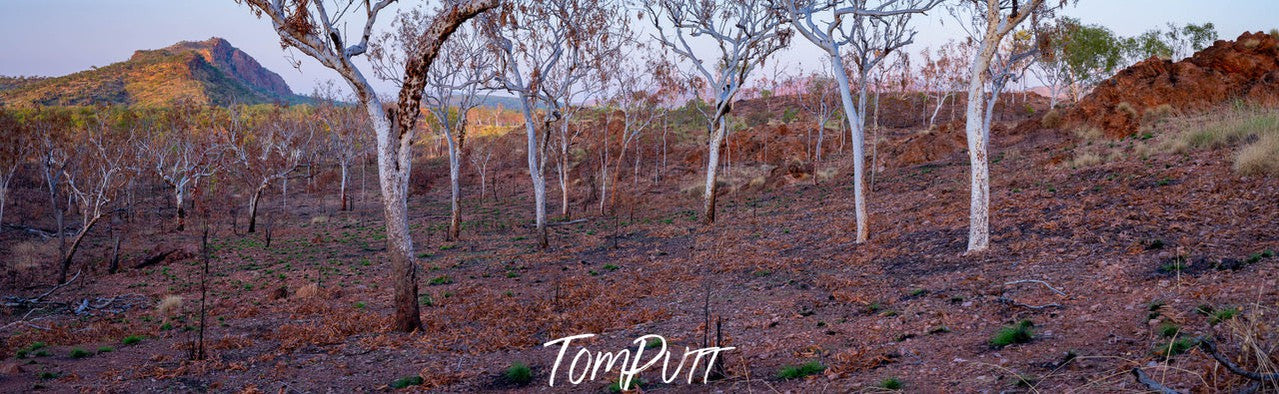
[[210, 72]]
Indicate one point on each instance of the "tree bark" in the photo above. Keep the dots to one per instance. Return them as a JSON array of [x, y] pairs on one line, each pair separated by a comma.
[[977, 136], [75, 244], [855, 124], [712, 167], [253, 207]]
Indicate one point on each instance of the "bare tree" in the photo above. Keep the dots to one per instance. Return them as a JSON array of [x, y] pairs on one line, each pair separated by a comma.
[[818, 100], [989, 22], [313, 29], [532, 40], [638, 100], [94, 173], [945, 75], [745, 32], [15, 145], [347, 141], [864, 34], [180, 157], [271, 154]]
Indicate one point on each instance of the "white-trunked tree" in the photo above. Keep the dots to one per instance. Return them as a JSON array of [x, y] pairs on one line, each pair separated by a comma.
[[989, 21], [744, 34], [864, 33], [312, 28], [94, 171], [180, 156], [453, 88], [531, 40]]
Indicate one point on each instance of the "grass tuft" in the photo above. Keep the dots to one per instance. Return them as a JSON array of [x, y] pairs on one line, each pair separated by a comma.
[[519, 373], [799, 371], [1022, 332]]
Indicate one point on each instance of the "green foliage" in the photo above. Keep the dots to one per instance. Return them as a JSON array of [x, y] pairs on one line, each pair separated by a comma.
[[798, 371], [1168, 329], [1022, 332], [519, 373], [105, 349], [1222, 315], [79, 353]]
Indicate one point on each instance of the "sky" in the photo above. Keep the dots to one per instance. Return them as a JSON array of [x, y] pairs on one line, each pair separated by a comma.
[[59, 37]]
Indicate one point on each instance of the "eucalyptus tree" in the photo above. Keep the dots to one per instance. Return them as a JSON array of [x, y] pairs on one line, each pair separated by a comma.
[[636, 97], [531, 40], [316, 30], [180, 155], [863, 33], [744, 33], [453, 88], [94, 170], [989, 22], [272, 152]]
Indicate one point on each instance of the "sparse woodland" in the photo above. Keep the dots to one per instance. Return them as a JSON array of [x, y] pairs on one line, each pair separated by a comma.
[[891, 217]]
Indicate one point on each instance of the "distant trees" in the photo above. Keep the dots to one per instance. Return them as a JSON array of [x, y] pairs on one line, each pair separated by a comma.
[[315, 31], [944, 73], [744, 33], [15, 145], [271, 153], [861, 35], [180, 155], [531, 41]]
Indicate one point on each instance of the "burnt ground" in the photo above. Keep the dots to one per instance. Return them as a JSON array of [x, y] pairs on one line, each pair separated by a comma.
[[779, 270]]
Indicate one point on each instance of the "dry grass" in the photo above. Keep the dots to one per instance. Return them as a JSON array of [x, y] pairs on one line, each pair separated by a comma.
[[1052, 119], [308, 292], [1089, 133], [169, 306], [1257, 130], [1259, 158]]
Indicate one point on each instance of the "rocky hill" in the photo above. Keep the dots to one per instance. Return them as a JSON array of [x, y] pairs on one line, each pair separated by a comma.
[[1245, 69], [209, 72]]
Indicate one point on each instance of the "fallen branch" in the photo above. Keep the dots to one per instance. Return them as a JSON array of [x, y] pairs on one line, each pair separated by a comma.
[[22, 302], [1050, 287], [153, 260], [1211, 348], [1010, 301], [1151, 383]]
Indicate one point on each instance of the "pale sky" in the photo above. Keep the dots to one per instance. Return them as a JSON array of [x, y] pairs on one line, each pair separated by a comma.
[[58, 37]]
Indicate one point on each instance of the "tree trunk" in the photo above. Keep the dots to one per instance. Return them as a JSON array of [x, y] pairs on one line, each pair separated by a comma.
[[712, 167], [394, 162], [345, 204], [933, 120], [179, 197], [855, 124], [455, 189], [535, 172], [979, 195], [253, 207], [4, 193], [75, 244]]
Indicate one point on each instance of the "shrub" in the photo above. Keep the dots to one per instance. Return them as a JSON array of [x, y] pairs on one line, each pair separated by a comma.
[[798, 371], [309, 291], [105, 349], [1089, 133], [131, 340], [616, 387], [1168, 330], [169, 305], [1260, 157], [79, 353], [1022, 332], [1127, 109], [1052, 119], [519, 373]]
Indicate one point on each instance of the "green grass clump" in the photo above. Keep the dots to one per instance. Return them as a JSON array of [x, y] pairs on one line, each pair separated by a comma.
[[1221, 315], [891, 383], [131, 340], [79, 353], [441, 280], [519, 373], [1173, 348], [798, 371], [1168, 330], [105, 349], [406, 382], [1022, 332], [616, 387]]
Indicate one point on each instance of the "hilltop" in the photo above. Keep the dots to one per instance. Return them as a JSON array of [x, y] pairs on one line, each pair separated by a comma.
[[210, 72]]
